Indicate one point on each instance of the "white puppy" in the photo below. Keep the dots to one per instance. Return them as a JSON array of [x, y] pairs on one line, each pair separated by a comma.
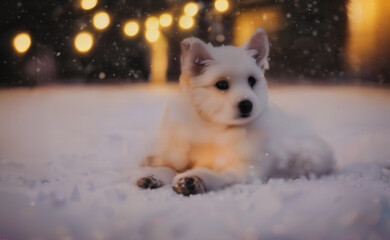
[[223, 131]]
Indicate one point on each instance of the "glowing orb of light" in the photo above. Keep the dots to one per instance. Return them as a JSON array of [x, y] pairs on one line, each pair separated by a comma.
[[165, 20], [221, 5], [101, 20], [152, 23], [88, 4], [186, 22], [131, 28], [22, 42], [152, 35], [191, 9], [83, 42]]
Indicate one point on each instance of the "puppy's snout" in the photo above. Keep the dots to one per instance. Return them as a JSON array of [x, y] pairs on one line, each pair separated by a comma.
[[245, 107]]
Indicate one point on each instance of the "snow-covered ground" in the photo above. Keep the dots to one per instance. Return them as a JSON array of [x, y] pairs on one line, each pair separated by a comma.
[[67, 156]]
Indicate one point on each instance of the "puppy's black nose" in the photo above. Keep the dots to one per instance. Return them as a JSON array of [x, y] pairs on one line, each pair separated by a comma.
[[245, 107]]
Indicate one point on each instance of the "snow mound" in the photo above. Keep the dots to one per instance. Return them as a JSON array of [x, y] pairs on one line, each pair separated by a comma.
[[67, 156]]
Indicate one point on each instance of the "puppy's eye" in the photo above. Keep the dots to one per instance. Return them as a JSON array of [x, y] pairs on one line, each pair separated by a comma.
[[222, 85], [252, 81]]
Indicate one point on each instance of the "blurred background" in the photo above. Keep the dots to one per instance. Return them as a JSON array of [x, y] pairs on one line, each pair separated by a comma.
[[128, 41]]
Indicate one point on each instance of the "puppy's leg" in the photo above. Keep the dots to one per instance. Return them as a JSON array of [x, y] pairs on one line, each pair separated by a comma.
[[200, 180], [154, 177]]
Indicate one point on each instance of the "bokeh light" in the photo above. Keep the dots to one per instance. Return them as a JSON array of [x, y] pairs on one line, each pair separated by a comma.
[[88, 4], [83, 42], [186, 22], [101, 20], [152, 23], [191, 9], [152, 35], [165, 20], [221, 5], [22, 42], [131, 28]]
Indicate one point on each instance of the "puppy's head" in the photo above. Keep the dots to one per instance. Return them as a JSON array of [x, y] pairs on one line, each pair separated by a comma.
[[226, 84]]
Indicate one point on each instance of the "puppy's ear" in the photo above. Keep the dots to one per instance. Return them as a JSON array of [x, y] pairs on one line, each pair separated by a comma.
[[258, 47], [195, 56]]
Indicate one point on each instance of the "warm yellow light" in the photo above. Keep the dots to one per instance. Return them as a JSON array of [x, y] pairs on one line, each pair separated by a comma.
[[131, 28], [101, 20], [152, 35], [158, 60], [22, 42], [186, 22], [165, 20], [152, 23], [369, 34], [88, 4], [191, 9], [83, 42], [245, 26], [221, 5]]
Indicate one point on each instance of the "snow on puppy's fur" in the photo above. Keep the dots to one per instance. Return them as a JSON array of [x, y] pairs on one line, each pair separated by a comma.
[[221, 130]]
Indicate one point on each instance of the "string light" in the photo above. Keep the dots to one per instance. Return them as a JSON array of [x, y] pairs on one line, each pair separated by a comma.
[[131, 28], [88, 4], [186, 22], [221, 5], [101, 20], [22, 42], [152, 35], [165, 20], [152, 23], [83, 42], [191, 9]]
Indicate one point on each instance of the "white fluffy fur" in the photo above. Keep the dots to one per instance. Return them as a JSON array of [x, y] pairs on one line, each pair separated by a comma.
[[202, 135]]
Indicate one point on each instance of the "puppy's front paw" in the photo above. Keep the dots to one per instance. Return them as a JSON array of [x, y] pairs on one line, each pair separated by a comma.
[[149, 182], [189, 186]]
